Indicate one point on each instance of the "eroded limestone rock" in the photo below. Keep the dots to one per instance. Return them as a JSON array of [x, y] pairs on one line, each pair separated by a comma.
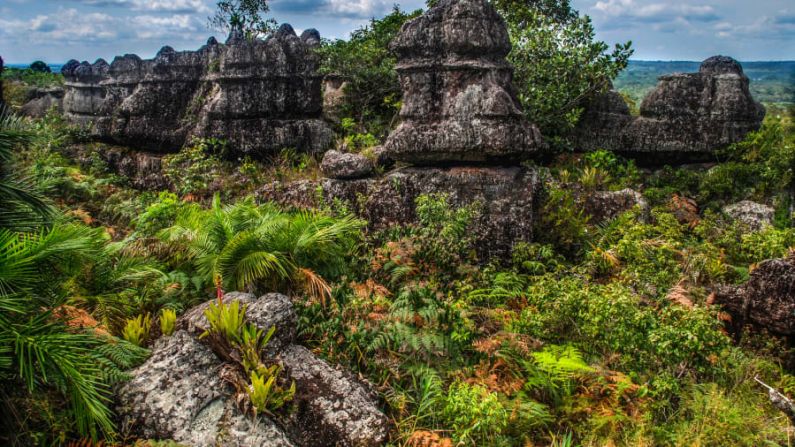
[[753, 215], [687, 117], [505, 199], [459, 104], [606, 205], [181, 392], [767, 300], [259, 95], [41, 100], [341, 165]]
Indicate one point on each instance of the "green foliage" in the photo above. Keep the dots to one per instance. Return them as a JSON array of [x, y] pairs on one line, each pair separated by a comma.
[[159, 215], [443, 239], [476, 416], [245, 246], [558, 63], [168, 321], [561, 222], [245, 15], [552, 373], [265, 397], [136, 331], [193, 169], [372, 92], [226, 320]]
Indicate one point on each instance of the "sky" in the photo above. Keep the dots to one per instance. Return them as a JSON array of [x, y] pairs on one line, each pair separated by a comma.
[[58, 30]]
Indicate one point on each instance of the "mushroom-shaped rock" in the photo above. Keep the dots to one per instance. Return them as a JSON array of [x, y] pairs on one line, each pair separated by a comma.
[[344, 165], [459, 104]]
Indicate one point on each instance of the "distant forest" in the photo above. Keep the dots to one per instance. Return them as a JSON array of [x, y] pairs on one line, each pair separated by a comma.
[[771, 82]]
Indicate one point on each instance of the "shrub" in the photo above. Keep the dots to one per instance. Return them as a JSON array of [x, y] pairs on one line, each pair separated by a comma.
[[136, 331], [168, 320], [476, 416]]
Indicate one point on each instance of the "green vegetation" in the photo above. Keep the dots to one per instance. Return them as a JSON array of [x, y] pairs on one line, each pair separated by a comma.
[[559, 64], [245, 15]]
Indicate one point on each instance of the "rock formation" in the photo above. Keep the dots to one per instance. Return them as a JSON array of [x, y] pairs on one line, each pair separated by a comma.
[[180, 392], [260, 95], [459, 104], [39, 101], [754, 216], [766, 301], [687, 117], [340, 165], [461, 124], [602, 206]]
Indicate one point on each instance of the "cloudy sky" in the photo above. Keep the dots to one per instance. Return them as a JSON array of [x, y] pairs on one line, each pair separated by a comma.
[[58, 30]]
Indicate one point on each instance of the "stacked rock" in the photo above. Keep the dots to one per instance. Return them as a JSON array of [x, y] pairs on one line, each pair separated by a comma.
[[259, 95], [687, 117], [462, 126], [459, 104]]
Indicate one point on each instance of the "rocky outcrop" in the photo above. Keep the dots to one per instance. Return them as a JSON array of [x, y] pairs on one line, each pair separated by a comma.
[[754, 216], [459, 104], [505, 199], [766, 301], [602, 206], [182, 392], [333, 97], [687, 117], [41, 100], [259, 95], [339, 165]]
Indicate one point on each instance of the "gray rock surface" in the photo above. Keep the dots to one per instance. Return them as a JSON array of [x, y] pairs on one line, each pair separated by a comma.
[[266, 311], [260, 95], [41, 100], [687, 117], [180, 392], [330, 404], [459, 104], [340, 165], [767, 300], [506, 198], [606, 205], [753, 215]]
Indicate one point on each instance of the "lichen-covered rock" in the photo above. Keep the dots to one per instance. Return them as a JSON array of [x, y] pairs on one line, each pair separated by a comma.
[[347, 165], [178, 394], [606, 205], [459, 104], [40, 100], [259, 95], [330, 404], [333, 97], [767, 300], [505, 199], [753, 215], [271, 310], [181, 391], [687, 117]]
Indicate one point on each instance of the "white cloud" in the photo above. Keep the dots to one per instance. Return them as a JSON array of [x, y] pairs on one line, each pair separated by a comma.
[[655, 12], [170, 5], [358, 8]]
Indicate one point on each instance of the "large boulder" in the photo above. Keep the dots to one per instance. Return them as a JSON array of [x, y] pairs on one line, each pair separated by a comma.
[[41, 100], [345, 165], [179, 393], [459, 104], [687, 117], [506, 199], [182, 391], [259, 95], [766, 301], [753, 215]]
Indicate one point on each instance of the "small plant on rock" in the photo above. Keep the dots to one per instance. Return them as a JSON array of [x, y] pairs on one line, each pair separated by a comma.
[[136, 331], [168, 321]]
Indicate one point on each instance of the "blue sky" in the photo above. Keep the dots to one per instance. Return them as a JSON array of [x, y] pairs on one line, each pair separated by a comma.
[[58, 30]]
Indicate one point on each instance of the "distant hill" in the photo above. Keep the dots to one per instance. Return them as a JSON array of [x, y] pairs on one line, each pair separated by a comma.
[[771, 82]]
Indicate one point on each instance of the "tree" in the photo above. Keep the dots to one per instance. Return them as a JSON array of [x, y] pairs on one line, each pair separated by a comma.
[[40, 67], [372, 92], [558, 62], [244, 15]]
